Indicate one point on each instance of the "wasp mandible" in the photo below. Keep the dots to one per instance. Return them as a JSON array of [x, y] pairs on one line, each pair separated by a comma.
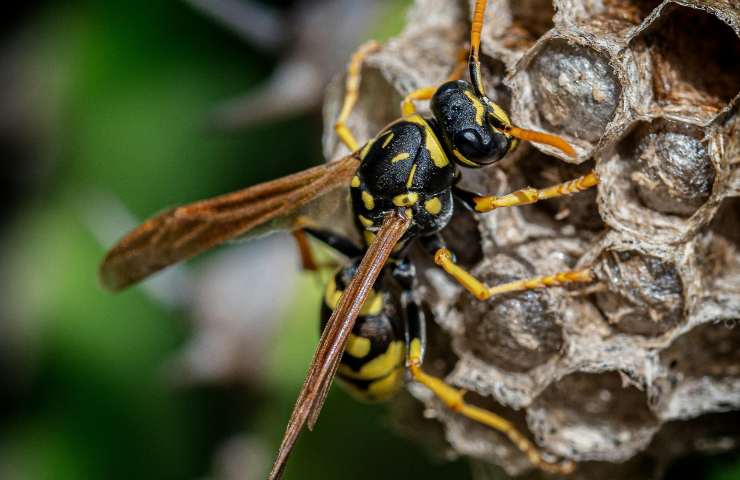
[[402, 184]]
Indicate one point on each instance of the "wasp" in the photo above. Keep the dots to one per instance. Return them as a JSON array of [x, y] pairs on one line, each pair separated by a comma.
[[401, 187]]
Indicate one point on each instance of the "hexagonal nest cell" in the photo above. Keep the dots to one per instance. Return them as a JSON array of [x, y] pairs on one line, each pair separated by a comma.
[[512, 332], [576, 91], [645, 295], [578, 413], [702, 372], [707, 351], [601, 372], [694, 62], [658, 180], [674, 173]]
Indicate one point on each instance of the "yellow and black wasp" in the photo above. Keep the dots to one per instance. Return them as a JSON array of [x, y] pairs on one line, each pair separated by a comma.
[[402, 184]]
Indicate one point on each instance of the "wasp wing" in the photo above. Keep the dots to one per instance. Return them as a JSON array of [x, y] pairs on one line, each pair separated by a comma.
[[183, 232], [334, 338]]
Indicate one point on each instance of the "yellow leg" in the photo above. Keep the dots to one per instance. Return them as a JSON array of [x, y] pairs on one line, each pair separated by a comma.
[[407, 105], [453, 399], [443, 258], [426, 93], [352, 88], [532, 195]]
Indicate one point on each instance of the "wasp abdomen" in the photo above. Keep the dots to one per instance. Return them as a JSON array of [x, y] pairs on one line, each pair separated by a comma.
[[372, 366]]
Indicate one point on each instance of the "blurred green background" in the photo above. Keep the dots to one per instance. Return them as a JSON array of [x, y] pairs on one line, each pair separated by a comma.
[[106, 104], [110, 99]]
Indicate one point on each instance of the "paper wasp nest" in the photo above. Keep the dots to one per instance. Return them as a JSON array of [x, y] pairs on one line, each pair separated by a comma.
[[642, 366]]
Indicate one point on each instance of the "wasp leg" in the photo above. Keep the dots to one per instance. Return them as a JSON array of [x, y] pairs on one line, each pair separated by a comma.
[[446, 259], [308, 260], [337, 242], [525, 196], [426, 93], [352, 89], [443, 257], [452, 397]]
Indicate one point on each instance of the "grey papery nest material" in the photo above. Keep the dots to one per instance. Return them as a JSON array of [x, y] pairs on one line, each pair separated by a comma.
[[643, 366]]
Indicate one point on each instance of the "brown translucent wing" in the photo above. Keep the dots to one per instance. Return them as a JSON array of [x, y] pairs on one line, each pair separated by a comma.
[[183, 232], [334, 339]]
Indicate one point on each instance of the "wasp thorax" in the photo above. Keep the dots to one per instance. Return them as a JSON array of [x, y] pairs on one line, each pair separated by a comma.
[[467, 125]]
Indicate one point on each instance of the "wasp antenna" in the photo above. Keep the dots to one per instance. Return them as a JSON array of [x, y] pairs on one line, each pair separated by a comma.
[[544, 138], [476, 27]]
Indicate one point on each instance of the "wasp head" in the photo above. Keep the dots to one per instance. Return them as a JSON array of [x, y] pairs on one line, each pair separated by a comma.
[[474, 129]]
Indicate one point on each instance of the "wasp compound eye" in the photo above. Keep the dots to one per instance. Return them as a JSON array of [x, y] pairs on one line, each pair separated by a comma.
[[471, 144]]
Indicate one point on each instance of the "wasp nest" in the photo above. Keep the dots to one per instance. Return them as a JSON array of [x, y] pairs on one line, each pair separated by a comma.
[[643, 365]]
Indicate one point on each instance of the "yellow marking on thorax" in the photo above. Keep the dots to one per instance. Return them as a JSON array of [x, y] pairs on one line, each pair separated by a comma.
[[355, 181], [368, 200], [378, 366], [410, 180], [433, 205], [366, 222], [365, 149], [435, 149], [358, 347], [406, 199], [431, 143], [387, 140], [417, 119], [409, 213], [399, 157], [479, 108]]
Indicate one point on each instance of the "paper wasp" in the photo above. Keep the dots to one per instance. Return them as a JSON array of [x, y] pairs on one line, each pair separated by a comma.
[[401, 185]]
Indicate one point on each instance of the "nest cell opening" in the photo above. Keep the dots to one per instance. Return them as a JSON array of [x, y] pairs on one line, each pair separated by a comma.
[[709, 350], [614, 415], [695, 61], [575, 89], [514, 332], [671, 169], [656, 178], [721, 253], [725, 223], [644, 296]]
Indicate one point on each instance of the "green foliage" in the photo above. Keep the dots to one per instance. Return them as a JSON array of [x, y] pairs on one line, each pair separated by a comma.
[[121, 92]]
